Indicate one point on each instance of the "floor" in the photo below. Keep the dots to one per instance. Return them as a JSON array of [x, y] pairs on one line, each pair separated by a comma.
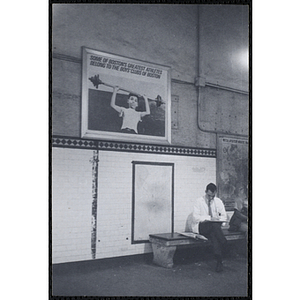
[[192, 275]]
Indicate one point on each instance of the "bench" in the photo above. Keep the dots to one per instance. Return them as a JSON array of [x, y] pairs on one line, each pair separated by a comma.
[[164, 245]]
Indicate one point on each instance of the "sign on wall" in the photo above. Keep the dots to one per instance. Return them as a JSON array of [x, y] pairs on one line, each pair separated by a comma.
[[124, 99], [232, 170], [153, 199]]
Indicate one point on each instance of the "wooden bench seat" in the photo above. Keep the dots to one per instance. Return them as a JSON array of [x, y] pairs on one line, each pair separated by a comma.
[[164, 245]]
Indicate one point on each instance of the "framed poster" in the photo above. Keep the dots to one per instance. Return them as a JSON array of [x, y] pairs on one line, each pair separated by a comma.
[[124, 99], [232, 170], [152, 199]]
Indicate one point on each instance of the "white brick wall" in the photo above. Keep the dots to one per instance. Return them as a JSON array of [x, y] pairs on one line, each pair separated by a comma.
[[71, 204], [72, 200]]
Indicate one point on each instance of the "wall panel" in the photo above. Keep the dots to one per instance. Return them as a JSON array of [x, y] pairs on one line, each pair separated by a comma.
[[71, 204], [72, 199]]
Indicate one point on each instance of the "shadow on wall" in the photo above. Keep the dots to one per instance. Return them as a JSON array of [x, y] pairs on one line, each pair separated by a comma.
[[188, 223]]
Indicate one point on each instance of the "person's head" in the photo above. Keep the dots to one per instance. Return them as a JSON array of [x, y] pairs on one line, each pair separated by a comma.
[[133, 101], [241, 190], [211, 190]]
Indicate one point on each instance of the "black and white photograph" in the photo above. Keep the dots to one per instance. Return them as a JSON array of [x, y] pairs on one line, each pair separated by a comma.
[[150, 162], [149, 149], [122, 96]]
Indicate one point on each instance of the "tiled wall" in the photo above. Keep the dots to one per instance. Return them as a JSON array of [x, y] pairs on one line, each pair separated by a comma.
[[72, 200], [71, 204]]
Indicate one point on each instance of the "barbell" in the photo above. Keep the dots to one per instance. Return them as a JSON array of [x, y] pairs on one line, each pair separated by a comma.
[[97, 81]]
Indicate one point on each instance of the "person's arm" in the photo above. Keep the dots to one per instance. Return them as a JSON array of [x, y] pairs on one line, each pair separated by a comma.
[[222, 215], [199, 214], [147, 112], [241, 216], [113, 100]]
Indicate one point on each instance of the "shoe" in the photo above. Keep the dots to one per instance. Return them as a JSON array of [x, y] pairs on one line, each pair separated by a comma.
[[219, 267]]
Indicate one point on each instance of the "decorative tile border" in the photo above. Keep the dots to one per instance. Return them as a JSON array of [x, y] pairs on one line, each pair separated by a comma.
[[69, 142]]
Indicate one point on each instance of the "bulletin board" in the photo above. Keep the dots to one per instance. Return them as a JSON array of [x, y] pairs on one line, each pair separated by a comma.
[[232, 169], [101, 73], [152, 199]]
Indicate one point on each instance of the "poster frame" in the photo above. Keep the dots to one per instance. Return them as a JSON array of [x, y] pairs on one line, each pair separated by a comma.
[[230, 139], [136, 201], [165, 87]]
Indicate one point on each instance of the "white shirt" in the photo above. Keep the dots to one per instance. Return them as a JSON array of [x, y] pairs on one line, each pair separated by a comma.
[[131, 118], [200, 212]]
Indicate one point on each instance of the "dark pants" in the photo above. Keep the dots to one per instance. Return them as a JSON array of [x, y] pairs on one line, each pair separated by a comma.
[[215, 234]]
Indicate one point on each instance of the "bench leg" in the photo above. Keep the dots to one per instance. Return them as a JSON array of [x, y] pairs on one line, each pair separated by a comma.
[[162, 255]]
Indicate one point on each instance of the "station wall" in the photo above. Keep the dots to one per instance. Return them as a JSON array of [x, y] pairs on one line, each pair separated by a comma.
[[197, 42]]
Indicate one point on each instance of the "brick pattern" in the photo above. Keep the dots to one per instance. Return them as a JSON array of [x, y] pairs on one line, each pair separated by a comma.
[[72, 200], [71, 204]]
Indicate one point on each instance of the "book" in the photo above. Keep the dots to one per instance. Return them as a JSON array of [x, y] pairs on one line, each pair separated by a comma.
[[193, 235], [214, 221]]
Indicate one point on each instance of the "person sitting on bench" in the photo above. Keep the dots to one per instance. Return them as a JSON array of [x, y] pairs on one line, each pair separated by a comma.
[[207, 209], [239, 219]]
